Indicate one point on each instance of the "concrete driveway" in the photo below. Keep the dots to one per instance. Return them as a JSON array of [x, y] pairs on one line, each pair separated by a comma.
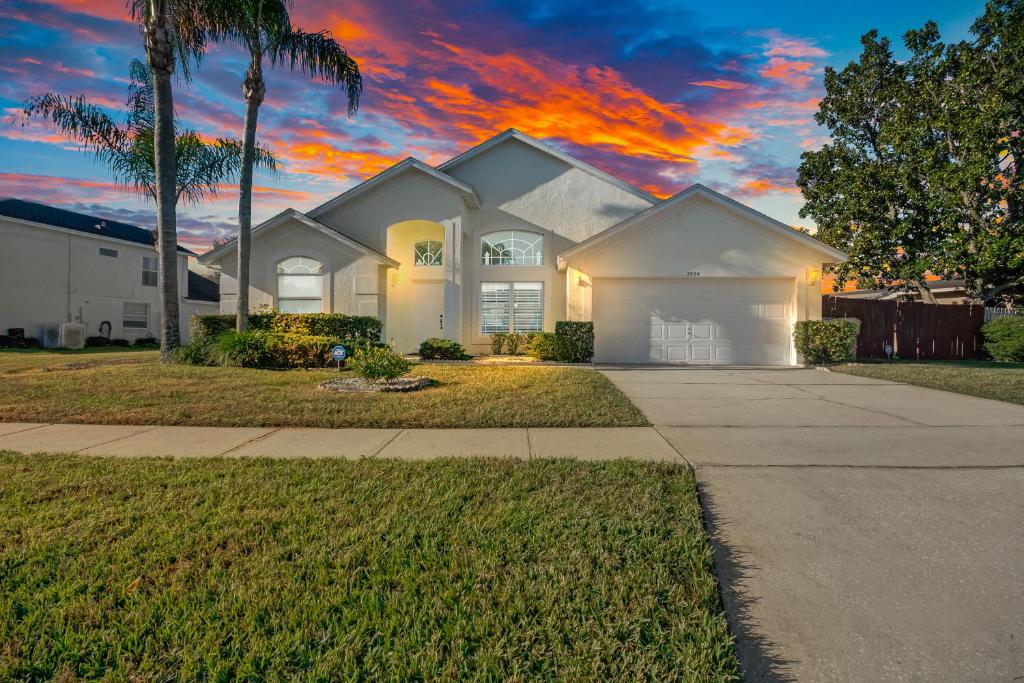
[[863, 530]]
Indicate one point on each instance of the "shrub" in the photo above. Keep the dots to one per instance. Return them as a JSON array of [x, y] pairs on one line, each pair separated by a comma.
[[826, 342], [574, 341], [335, 325], [252, 349], [375, 363], [96, 342], [31, 343], [436, 348], [120, 342], [543, 346], [1004, 338], [313, 350], [498, 342], [147, 341], [513, 342], [194, 353]]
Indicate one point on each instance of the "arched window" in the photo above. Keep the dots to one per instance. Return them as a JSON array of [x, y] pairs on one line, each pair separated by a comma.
[[512, 248], [428, 253], [300, 285]]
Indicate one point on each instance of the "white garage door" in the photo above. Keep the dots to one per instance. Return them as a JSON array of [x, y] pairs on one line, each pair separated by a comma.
[[694, 321]]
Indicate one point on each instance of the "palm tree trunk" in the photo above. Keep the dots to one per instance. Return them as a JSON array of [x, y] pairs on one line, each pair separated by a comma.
[[160, 55], [254, 90]]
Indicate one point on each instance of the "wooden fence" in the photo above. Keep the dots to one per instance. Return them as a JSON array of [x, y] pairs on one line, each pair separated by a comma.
[[915, 330]]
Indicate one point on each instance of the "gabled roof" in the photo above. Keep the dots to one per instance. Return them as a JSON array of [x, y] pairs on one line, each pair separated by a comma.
[[202, 288], [513, 134], [716, 197], [469, 195], [44, 214], [289, 214]]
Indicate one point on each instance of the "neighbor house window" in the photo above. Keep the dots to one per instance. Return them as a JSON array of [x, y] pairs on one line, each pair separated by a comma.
[[112, 253], [149, 276], [134, 316], [300, 285], [511, 307], [512, 248], [428, 253]]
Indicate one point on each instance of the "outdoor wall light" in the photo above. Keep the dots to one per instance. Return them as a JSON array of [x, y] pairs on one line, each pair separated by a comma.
[[813, 276]]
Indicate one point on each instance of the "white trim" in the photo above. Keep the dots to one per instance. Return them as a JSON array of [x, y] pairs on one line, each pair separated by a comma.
[[182, 251], [716, 197], [551, 150], [288, 214], [468, 193]]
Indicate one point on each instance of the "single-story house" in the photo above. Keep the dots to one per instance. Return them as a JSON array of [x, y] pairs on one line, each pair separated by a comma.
[[59, 266], [514, 235]]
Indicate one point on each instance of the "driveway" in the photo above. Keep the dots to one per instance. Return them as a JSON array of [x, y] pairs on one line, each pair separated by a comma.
[[863, 530]]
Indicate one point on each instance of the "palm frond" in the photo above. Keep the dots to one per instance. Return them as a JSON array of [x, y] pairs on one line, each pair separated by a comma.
[[204, 166], [320, 56]]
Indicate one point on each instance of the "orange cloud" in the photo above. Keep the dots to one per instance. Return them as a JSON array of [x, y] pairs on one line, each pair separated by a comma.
[[791, 72], [721, 84], [763, 186], [793, 47]]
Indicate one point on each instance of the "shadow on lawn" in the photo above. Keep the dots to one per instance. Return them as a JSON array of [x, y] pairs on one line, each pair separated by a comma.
[[758, 655]]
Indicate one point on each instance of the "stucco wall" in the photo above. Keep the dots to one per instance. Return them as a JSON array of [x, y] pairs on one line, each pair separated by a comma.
[[49, 276], [351, 281], [700, 238]]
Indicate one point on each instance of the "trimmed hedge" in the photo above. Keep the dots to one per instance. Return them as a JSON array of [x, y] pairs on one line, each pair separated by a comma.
[[574, 341], [1004, 338], [437, 348], [826, 342], [542, 345], [259, 349], [337, 325]]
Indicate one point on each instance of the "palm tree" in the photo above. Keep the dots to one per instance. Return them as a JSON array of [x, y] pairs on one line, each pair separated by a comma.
[[173, 32], [129, 151], [263, 28]]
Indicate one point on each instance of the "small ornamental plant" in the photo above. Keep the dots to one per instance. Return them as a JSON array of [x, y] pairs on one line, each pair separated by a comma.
[[375, 363]]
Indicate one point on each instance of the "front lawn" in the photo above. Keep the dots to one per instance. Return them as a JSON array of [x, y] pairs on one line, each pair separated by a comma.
[[133, 388], [152, 569], [999, 381]]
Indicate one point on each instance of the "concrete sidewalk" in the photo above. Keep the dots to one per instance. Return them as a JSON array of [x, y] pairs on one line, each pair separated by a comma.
[[607, 443]]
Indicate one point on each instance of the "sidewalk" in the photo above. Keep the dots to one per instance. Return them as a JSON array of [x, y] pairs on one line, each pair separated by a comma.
[[607, 443]]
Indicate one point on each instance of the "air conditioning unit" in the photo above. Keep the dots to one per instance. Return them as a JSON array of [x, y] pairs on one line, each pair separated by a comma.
[[51, 336], [72, 336]]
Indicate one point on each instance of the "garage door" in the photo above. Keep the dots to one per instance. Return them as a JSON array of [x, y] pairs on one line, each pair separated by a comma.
[[693, 321]]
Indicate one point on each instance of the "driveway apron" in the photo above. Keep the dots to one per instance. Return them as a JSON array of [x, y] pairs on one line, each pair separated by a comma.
[[863, 529]]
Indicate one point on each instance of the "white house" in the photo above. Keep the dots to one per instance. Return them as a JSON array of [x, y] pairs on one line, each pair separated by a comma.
[[59, 266], [514, 235]]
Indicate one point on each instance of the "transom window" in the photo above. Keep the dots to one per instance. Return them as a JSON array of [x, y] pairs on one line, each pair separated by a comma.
[[300, 285], [511, 307], [512, 248], [428, 253]]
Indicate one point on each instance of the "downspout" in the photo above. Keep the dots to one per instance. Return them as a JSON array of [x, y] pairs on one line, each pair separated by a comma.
[[68, 316]]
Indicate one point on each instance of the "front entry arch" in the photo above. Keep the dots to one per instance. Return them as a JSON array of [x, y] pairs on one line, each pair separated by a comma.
[[416, 290]]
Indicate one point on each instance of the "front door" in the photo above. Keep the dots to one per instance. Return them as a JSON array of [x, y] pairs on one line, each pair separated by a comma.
[[427, 319]]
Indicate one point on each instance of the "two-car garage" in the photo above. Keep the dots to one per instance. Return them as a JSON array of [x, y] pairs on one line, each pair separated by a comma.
[[695, 321]]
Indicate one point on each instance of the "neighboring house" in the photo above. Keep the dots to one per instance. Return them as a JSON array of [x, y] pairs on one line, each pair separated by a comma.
[[944, 291], [514, 235], [61, 266]]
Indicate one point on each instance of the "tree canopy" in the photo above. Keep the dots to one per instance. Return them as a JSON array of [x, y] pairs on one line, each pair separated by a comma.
[[923, 171]]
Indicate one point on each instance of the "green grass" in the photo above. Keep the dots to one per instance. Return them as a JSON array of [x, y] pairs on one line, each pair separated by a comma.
[[153, 569], [999, 381], [133, 388]]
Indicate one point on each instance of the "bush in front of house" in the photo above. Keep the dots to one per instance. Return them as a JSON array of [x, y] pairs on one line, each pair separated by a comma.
[[513, 342], [337, 325], [574, 341], [250, 349], [1004, 338], [825, 342], [437, 348], [146, 341], [542, 346], [375, 363], [498, 343], [96, 342]]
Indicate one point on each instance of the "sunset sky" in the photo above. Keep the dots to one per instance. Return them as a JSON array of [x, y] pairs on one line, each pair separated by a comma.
[[661, 94]]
